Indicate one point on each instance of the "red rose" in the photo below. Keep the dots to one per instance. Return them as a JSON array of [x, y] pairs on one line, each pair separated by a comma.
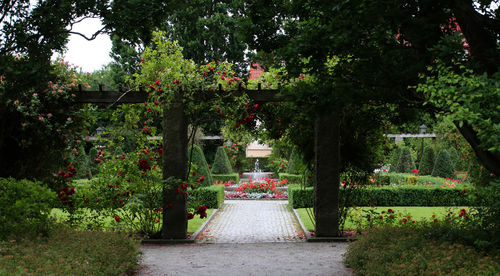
[[190, 216], [117, 219]]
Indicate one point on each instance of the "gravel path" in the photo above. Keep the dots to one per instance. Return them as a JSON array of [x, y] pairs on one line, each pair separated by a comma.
[[291, 258]]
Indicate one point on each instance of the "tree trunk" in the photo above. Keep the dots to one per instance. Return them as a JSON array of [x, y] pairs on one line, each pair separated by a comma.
[[174, 164], [489, 160], [327, 175]]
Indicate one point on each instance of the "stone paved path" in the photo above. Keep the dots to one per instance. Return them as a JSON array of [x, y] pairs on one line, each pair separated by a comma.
[[247, 237], [252, 221]]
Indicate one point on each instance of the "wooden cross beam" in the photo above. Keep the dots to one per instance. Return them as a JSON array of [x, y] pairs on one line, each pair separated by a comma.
[[133, 96]]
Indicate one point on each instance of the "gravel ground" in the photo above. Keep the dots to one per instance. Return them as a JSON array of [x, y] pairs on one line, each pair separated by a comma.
[[288, 258]]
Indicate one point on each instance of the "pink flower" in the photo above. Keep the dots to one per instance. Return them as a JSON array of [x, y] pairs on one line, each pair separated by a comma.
[[69, 119]]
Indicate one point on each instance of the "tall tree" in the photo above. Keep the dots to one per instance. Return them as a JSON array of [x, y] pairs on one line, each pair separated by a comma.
[[380, 48]]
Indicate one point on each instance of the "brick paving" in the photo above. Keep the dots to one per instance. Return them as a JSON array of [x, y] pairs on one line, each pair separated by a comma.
[[252, 221]]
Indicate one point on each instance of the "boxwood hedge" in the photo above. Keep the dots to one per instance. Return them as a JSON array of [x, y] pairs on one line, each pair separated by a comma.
[[211, 196], [388, 196]]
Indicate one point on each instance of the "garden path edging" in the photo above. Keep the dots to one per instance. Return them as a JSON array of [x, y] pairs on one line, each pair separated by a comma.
[[306, 232]]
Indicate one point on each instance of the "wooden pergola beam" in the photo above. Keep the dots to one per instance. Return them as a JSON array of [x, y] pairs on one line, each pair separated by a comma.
[[141, 96]]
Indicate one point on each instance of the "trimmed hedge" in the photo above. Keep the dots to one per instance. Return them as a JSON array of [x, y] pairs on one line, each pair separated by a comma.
[[226, 177], [212, 196], [405, 163], [221, 162], [291, 178], [295, 162], [443, 166], [202, 166], [300, 197], [427, 162], [387, 196]]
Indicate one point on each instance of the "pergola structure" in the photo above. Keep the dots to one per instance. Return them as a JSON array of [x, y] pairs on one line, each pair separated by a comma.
[[175, 141]]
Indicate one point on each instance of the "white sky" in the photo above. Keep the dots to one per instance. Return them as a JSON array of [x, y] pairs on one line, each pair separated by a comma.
[[88, 55]]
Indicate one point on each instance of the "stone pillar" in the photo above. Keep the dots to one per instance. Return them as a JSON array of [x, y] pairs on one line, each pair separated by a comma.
[[174, 164], [327, 175]]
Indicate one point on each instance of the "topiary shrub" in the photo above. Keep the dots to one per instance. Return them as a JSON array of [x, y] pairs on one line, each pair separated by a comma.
[[295, 163], [395, 158], [427, 163], [405, 163], [221, 162], [453, 158], [196, 156], [442, 166]]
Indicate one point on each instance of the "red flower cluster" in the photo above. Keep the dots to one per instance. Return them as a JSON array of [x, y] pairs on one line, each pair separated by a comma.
[[65, 193], [100, 157], [70, 173], [190, 216], [463, 213], [202, 211], [117, 219], [144, 165]]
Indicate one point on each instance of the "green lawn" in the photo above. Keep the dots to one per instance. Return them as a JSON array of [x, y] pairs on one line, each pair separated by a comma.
[[357, 215]]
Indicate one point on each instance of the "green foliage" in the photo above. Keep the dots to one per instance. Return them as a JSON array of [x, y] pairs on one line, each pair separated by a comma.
[[212, 196], [88, 252], [234, 177], [296, 162], [372, 254], [381, 179], [195, 155], [427, 162], [467, 97], [396, 153], [388, 196], [453, 158], [221, 162], [300, 197], [442, 165], [25, 208], [487, 199], [291, 178], [405, 162]]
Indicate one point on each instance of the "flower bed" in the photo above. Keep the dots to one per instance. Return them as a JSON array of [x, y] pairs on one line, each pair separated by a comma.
[[239, 195]]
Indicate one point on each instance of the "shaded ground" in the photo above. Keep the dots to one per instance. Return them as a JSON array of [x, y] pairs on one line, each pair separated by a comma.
[[289, 258]]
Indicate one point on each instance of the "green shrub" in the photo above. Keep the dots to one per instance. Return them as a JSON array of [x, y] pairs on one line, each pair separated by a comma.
[[427, 163], [212, 196], [291, 178], [24, 208], [410, 251], [227, 177], [221, 162], [197, 157], [442, 166], [300, 197], [296, 163], [402, 179], [381, 179], [388, 196], [396, 153], [405, 162], [453, 158]]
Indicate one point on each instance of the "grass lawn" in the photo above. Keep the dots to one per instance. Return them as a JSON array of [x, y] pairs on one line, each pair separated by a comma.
[[107, 222], [416, 213], [71, 252]]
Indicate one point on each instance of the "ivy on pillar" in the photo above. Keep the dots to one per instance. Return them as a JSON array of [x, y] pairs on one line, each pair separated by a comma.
[[327, 175], [174, 164]]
